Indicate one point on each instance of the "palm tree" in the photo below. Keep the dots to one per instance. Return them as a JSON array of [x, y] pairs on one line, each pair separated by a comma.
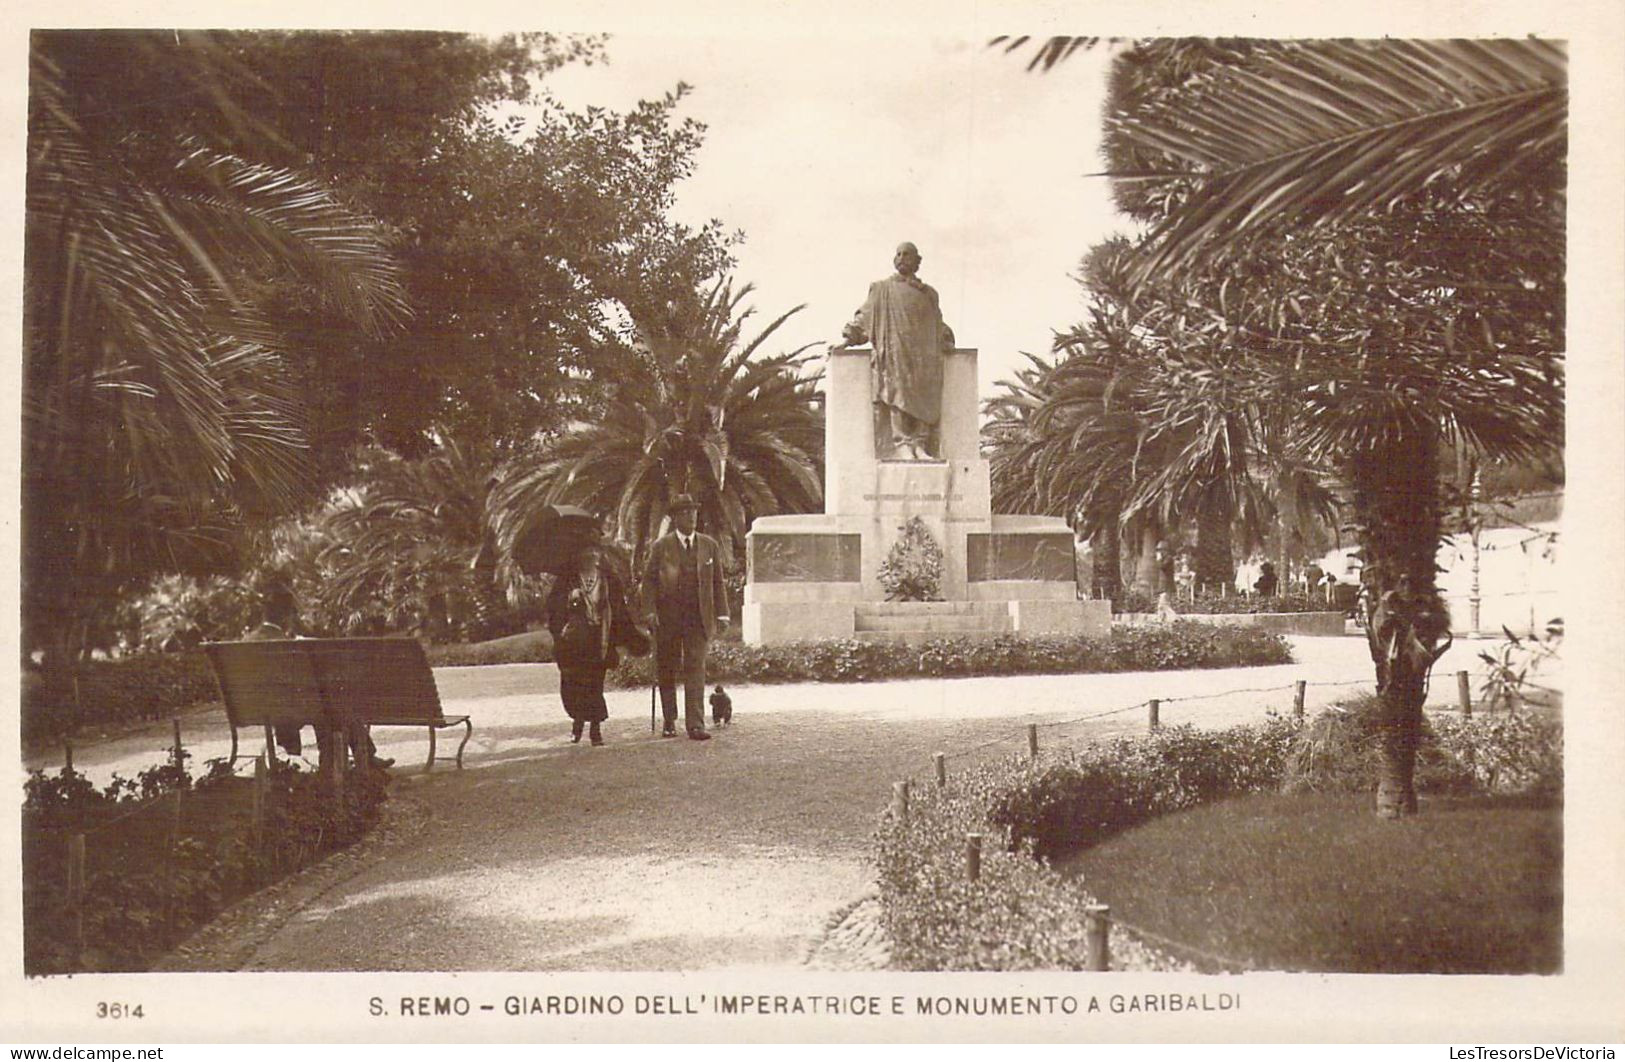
[[1290, 134], [693, 411], [400, 548], [1412, 196], [157, 414]]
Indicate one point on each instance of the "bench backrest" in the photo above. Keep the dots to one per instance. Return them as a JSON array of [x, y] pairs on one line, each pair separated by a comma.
[[268, 682], [325, 680], [377, 680]]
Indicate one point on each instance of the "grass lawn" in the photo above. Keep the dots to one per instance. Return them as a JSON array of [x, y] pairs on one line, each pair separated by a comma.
[[1318, 882]]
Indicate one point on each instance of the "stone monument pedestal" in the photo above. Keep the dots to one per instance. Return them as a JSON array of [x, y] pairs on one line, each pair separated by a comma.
[[817, 575]]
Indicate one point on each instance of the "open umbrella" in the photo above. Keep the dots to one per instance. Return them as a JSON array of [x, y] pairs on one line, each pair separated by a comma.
[[550, 540]]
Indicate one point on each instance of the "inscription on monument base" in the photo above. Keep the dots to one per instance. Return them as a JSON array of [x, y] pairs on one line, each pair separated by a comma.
[[1045, 557], [914, 497], [805, 558]]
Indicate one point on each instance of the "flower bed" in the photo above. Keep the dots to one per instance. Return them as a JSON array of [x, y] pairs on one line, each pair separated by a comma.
[[1021, 914], [1319, 624], [1209, 604], [1165, 647], [166, 853]]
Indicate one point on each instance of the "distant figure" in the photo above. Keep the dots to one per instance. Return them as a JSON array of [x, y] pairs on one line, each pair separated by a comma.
[[1312, 576], [722, 707], [902, 320], [1267, 580]]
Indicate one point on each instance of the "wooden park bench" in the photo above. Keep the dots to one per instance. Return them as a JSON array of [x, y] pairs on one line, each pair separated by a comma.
[[330, 682]]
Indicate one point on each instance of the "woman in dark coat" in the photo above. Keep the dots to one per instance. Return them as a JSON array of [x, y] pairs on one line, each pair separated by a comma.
[[589, 619]]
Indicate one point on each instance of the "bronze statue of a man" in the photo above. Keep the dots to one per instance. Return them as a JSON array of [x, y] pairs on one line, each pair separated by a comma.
[[903, 322]]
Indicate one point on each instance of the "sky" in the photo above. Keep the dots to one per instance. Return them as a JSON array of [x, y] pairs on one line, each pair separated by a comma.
[[828, 152]]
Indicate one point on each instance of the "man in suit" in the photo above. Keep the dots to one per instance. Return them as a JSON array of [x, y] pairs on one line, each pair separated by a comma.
[[683, 588]]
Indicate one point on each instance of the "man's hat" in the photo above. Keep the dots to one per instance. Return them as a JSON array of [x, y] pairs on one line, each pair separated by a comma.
[[683, 501]]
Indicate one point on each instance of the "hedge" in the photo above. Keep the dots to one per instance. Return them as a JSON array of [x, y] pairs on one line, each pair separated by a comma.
[[1023, 915], [149, 686], [1211, 604], [153, 686], [1161, 648], [532, 647]]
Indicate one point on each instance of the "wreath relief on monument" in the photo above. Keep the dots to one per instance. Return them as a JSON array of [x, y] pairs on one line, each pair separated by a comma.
[[912, 570]]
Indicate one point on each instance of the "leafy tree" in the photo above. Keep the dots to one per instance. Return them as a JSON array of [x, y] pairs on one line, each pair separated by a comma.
[[158, 411], [1394, 211], [523, 227], [691, 411]]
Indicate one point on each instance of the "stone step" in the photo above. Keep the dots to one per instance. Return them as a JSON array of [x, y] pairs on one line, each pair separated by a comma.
[[963, 623], [931, 608], [917, 637]]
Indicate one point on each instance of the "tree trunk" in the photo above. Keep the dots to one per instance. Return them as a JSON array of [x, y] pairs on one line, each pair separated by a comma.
[[1215, 562], [1147, 573], [1396, 505], [1105, 559]]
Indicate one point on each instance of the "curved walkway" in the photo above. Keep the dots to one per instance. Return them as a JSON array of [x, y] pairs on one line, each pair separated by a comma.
[[750, 850]]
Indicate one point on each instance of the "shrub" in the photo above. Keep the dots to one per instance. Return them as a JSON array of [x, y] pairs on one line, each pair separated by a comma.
[[152, 887], [1514, 663], [1019, 916], [531, 647], [1516, 752], [1084, 796], [1023, 915], [1505, 752], [1160, 648], [1228, 604], [149, 686]]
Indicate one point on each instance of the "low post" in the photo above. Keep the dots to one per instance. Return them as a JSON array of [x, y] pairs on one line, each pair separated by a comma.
[[942, 770], [179, 762], [261, 780], [1464, 693], [973, 856], [1155, 719], [67, 756], [1097, 937], [1297, 698], [172, 859], [76, 887], [1032, 741], [899, 801]]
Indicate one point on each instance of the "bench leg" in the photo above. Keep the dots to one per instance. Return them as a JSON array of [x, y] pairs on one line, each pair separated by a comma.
[[469, 723], [430, 766]]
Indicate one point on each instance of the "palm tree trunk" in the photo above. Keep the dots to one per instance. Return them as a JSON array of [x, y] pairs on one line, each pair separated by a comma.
[[1147, 575], [1215, 562], [1106, 560], [1396, 505]]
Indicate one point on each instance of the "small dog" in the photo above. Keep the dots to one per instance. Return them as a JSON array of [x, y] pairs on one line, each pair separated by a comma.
[[722, 707]]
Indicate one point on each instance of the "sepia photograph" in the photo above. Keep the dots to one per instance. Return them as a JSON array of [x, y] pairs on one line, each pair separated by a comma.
[[709, 528]]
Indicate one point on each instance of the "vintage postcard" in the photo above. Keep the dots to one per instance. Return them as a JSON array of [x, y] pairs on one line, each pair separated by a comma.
[[816, 524]]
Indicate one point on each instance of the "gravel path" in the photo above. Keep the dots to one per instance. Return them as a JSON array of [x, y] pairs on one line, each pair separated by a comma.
[[748, 851]]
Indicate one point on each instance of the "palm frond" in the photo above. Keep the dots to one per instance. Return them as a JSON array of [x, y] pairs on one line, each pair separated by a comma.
[[1316, 132]]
